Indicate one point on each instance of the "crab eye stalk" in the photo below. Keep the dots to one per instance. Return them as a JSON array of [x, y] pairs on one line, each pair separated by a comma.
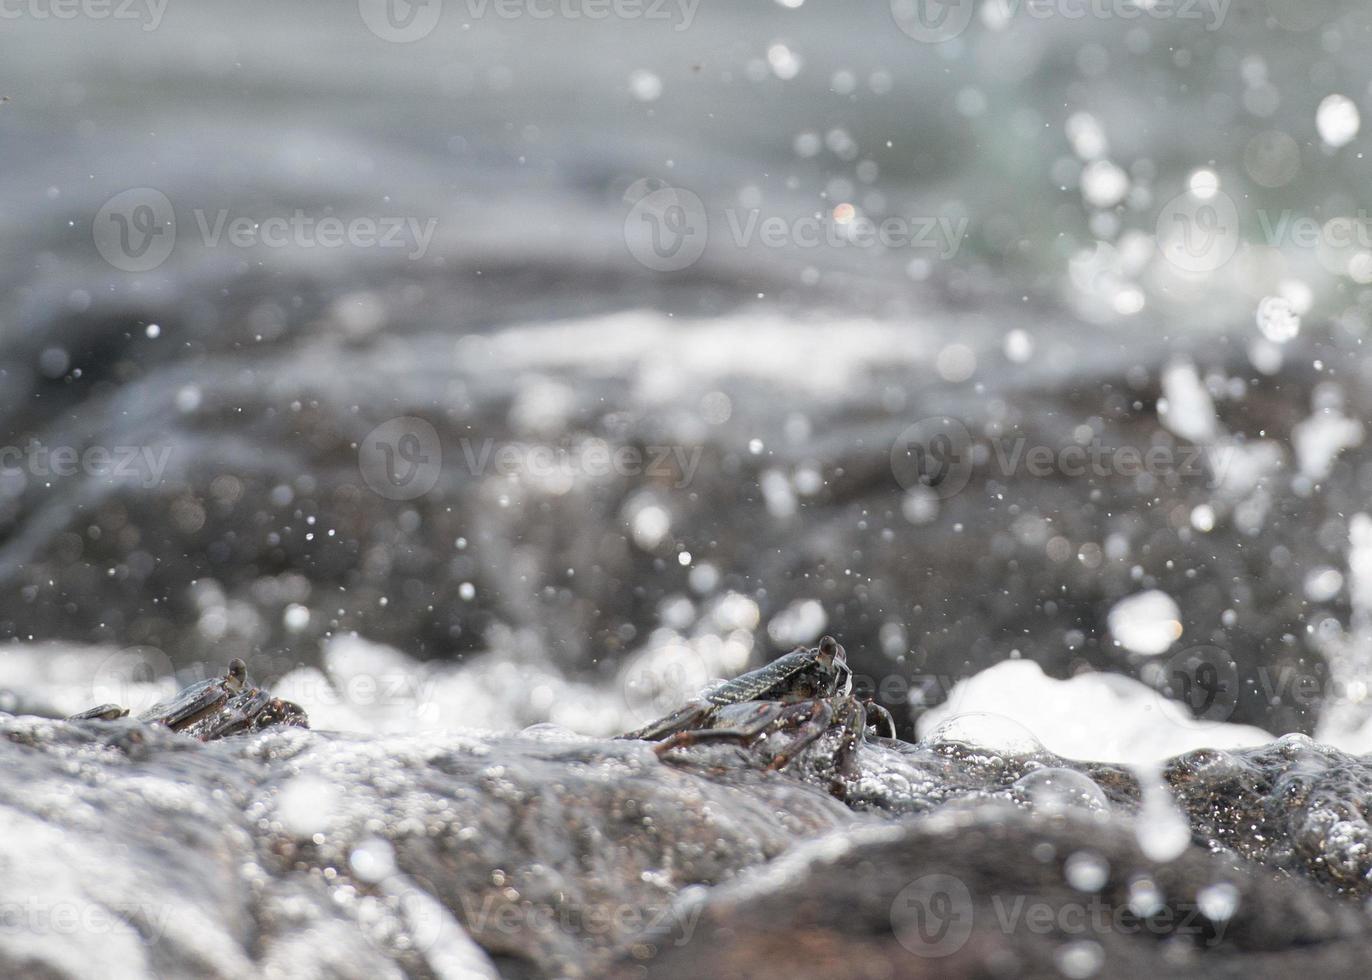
[[238, 673], [829, 650], [843, 681]]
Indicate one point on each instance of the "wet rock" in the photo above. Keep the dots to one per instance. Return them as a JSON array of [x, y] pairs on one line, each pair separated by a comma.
[[995, 892], [303, 853], [178, 858]]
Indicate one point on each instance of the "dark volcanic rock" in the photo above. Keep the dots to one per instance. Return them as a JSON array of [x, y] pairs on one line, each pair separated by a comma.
[[298, 853], [989, 892]]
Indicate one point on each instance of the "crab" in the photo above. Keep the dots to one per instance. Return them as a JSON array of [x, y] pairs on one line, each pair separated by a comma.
[[806, 691], [212, 709]]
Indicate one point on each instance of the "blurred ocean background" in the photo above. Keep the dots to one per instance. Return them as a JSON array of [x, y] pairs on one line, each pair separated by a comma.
[[330, 284]]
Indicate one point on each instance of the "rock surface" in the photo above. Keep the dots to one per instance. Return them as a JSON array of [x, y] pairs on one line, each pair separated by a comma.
[[302, 853]]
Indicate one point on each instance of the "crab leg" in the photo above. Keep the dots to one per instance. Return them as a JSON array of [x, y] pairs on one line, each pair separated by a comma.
[[678, 721], [767, 712], [821, 714], [879, 709]]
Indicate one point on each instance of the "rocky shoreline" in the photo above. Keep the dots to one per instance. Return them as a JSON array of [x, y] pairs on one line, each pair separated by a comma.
[[544, 854]]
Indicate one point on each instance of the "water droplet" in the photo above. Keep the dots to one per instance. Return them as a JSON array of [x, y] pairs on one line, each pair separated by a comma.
[[645, 85], [1204, 184], [1218, 902], [1145, 898], [785, 62], [1203, 518], [1337, 120], [373, 859], [1086, 871], [982, 730], [1103, 184], [54, 362], [1056, 789], [1079, 960], [296, 617], [1019, 346], [1147, 622], [650, 525], [1323, 584], [1277, 319]]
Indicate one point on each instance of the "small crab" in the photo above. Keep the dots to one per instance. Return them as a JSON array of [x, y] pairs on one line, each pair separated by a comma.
[[806, 691], [212, 708]]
